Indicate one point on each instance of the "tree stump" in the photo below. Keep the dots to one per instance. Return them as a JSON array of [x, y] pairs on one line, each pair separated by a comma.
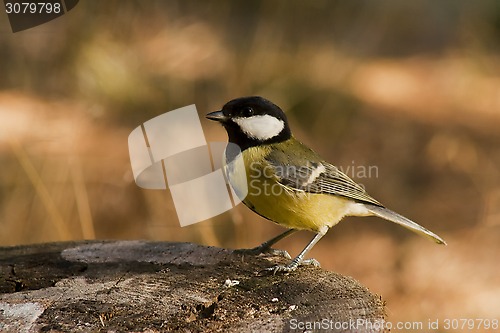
[[157, 286]]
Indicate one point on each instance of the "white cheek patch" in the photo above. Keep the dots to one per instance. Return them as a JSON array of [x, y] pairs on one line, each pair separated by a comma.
[[261, 128]]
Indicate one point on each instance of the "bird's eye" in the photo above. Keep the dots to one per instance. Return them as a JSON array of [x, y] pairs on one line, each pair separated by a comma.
[[247, 112]]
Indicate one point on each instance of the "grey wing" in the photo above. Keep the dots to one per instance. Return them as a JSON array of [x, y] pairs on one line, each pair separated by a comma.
[[320, 177]]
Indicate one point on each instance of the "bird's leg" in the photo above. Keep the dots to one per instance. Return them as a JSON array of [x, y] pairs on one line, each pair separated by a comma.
[[266, 246], [299, 260]]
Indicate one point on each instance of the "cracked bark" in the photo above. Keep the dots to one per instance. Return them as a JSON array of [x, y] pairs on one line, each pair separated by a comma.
[[157, 286]]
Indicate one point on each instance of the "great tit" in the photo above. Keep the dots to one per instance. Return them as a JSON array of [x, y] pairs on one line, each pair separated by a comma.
[[290, 184]]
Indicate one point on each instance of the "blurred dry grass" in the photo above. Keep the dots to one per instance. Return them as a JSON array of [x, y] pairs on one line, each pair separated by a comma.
[[411, 88]]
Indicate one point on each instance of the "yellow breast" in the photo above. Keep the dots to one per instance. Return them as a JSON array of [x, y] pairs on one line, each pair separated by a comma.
[[286, 206]]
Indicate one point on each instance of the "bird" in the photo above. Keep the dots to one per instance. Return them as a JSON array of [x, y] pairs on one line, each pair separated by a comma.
[[290, 184]]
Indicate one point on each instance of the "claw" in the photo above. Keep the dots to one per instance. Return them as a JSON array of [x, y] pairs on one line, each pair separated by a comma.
[[277, 269], [290, 267], [282, 269], [311, 262]]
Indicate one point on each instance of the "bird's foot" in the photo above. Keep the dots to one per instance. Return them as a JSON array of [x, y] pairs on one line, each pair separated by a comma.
[[263, 250], [311, 262], [285, 269]]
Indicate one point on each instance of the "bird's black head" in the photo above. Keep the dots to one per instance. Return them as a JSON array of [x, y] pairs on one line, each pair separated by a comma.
[[252, 121]]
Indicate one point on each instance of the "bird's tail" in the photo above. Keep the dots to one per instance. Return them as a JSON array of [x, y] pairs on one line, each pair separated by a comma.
[[403, 221]]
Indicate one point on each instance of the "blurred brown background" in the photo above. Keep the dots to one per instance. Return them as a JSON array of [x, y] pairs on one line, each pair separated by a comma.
[[412, 88]]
